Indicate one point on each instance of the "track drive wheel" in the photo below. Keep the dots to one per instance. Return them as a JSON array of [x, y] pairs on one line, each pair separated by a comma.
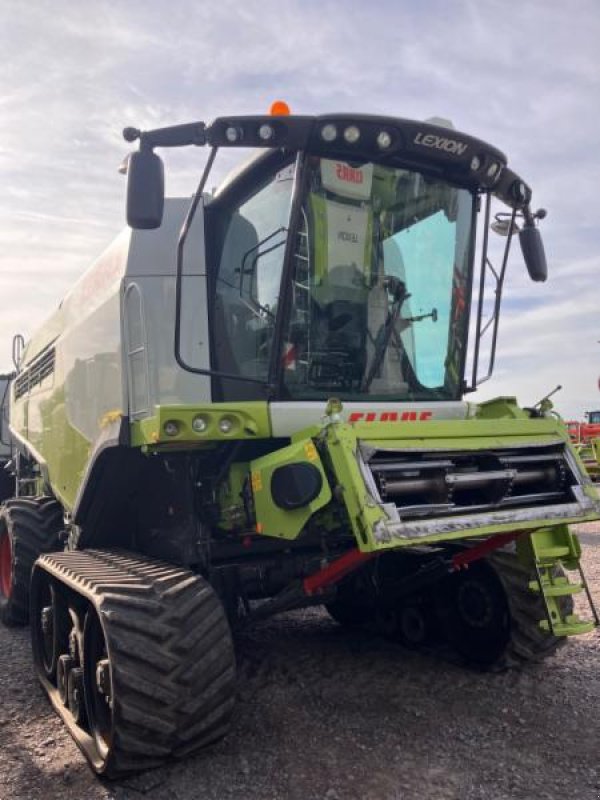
[[490, 617], [150, 670], [28, 528]]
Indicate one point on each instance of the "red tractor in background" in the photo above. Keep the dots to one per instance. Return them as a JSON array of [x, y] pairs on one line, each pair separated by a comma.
[[586, 436]]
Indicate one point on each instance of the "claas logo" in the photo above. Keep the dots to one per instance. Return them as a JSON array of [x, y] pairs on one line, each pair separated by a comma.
[[348, 174], [390, 416]]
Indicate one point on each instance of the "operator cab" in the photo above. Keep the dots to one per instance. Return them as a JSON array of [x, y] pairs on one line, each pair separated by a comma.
[[340, 262], [378, 282]]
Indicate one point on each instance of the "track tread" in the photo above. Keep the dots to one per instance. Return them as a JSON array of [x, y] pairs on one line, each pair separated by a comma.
[[158, 712], [33, 526], [528, 642]]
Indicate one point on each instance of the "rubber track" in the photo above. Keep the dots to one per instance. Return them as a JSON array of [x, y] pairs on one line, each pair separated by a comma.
[[528, 642], [171, 652], [33, 525]]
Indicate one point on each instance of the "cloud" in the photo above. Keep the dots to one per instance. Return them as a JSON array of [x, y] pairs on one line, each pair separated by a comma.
[[523, 77]]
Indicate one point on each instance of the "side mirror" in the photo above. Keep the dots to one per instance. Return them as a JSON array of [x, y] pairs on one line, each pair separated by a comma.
[[145, 190], [533, 252]]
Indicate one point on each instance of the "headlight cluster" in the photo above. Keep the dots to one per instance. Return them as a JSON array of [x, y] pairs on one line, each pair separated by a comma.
[[487, 169], [209, 425], [262, 131], [352, 134]]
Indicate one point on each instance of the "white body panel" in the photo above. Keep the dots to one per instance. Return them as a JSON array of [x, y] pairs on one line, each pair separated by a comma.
[[291, 416], [108, 350]]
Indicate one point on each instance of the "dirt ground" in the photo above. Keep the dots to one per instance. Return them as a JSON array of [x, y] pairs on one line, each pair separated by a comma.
[[328, 715]]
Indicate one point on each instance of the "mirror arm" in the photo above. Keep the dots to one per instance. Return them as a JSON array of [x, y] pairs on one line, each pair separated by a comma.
[[481, 292], [192, 133], [498, 299], [495, 316]]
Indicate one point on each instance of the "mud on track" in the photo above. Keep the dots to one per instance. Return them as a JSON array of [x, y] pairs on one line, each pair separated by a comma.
[[323, 713]]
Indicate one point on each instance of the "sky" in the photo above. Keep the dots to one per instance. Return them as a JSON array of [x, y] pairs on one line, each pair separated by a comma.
[[522, 76]]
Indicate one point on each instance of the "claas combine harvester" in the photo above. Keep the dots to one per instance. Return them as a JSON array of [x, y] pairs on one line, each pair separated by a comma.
[[254, 402]]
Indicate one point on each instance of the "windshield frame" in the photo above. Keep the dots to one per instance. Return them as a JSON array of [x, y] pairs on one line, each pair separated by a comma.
[[243, 187]]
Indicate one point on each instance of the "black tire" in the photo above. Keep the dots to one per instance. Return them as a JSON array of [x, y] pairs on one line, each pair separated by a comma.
[[29, 527], [491, 618], [7, 484], [528, 642], [158, 658]]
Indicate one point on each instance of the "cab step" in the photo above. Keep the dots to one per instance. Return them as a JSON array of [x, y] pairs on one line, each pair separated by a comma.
[[557, 586], [553, 552], [571, 626]]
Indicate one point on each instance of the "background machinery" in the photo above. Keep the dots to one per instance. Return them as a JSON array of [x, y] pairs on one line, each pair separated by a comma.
[[255, 403], [6, 450], [586, 438]]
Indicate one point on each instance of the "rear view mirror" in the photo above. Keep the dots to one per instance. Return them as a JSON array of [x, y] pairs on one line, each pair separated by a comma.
[[533, 252], [145, 190]]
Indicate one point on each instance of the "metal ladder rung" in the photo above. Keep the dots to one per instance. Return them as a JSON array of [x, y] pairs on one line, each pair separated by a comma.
[[570, 627], [552, 553], [560, 588]]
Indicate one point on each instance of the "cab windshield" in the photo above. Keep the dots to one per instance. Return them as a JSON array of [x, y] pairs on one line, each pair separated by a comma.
[[379, 289]]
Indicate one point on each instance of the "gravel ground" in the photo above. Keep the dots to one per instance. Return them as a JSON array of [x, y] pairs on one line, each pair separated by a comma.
[[324, 714]]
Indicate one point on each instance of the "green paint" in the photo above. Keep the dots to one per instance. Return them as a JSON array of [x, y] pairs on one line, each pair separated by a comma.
[[544, 552], [63, 448], [364, 513], [270, 519], [247, 420]]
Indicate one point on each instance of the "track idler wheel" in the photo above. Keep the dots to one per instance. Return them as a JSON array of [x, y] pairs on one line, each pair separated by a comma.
[[416, 625], [76, 695]]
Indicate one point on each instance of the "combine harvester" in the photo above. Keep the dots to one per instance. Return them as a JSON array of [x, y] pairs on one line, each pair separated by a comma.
[[256, 404]]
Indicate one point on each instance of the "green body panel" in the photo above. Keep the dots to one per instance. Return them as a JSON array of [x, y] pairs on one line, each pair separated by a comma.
[[248, 420], [500, 407], [363, 511], [62, 450], [365, 514], [271, 520], [66, 449], [62, 416], [549, 552]]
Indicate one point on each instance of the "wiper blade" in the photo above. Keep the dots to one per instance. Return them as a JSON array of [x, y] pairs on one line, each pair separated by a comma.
[[382, 341]]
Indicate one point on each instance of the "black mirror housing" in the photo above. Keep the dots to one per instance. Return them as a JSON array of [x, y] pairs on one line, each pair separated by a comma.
[[532, 248], [145, 190]]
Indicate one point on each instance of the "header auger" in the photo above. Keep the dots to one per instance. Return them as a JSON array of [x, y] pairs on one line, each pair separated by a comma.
[[255, 402]]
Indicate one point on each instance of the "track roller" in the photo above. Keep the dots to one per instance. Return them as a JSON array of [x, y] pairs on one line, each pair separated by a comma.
[[28, 527], [487, 613], [144, 669]]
